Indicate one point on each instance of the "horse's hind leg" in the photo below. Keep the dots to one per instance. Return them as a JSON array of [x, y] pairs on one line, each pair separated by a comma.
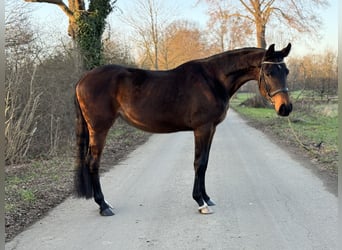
[[96, 144]]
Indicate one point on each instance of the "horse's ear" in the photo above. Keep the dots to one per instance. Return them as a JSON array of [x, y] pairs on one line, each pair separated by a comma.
[[286, 51], [270, 51]]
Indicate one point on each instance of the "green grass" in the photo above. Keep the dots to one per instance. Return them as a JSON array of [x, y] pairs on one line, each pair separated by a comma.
[[24, 185], [27, 195], [318, 128], [257, 113], [240, 97], [10, 208]]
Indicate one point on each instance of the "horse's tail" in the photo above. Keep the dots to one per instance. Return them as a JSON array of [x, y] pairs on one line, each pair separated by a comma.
[[82, 179]]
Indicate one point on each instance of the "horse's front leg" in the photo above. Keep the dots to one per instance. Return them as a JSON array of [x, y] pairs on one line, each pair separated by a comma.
[[203, 139]]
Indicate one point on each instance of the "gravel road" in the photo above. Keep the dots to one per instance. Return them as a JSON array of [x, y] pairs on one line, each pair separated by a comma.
[[265, 200]]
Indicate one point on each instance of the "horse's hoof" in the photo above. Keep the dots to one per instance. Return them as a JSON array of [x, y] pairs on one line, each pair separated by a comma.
[[205, 209], [210, 203], [107, 212]]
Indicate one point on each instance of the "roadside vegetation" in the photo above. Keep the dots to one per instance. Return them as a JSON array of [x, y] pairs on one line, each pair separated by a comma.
[[311, 128]]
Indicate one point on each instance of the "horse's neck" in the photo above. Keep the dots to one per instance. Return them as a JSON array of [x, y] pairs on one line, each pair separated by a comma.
[[234, 70]]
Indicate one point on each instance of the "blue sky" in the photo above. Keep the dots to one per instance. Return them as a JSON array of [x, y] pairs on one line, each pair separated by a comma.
[[45, 15]]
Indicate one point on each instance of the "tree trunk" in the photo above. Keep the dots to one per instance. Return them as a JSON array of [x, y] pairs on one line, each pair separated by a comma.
[[156, 67], [259, 101], [222, 42], [260, 33]]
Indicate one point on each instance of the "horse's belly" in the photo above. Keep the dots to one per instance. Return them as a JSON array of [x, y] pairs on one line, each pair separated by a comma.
[[155, 123]]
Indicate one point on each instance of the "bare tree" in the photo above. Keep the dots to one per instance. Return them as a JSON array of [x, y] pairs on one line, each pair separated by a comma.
[[299, 15], [148, 18], [315, 72], [19, 36], [228, 29], [21, 99], [117, 51], [21, 119], [182, 42]]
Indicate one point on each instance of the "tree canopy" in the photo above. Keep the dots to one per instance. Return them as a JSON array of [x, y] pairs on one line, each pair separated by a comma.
[[300, 15]]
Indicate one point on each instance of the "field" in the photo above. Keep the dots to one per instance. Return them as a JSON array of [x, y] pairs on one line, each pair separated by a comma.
[[312, 126]]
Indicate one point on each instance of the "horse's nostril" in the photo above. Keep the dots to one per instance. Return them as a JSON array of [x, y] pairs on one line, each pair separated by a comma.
[[290, 108], [285, 110], [282, 110]]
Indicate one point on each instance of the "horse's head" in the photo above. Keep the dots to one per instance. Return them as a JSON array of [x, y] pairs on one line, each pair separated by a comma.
[[272, 79]]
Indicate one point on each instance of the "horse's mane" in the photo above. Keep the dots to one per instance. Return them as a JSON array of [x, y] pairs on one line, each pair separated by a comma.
[[237, 59], [236, 56], [232, 53]]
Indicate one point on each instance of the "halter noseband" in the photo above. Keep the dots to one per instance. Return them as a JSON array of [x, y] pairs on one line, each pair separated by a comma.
[[267, 87]]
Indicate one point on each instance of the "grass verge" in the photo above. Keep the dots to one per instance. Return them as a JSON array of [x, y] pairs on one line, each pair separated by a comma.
[[312, 127]]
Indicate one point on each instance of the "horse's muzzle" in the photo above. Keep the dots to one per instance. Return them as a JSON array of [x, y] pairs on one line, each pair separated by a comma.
[[285, 109]]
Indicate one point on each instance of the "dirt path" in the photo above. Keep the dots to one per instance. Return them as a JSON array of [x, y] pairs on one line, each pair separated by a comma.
[[265, 200]]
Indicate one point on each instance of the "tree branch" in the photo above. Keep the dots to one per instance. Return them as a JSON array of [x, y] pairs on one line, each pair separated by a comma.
[[243, 16], [268, 5], [59, 3], [247, 7]]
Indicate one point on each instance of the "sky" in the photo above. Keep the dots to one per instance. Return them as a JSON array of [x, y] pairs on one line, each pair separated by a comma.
[[49, 17]]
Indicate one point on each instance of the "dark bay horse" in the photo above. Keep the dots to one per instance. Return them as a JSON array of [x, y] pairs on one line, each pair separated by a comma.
[[192, 97]]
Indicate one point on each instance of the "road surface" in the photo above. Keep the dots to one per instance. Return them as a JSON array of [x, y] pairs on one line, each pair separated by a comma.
[[265, 200]]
